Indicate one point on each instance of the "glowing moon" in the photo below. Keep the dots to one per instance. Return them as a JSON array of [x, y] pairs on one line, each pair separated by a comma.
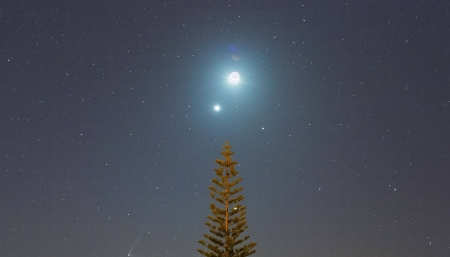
[[234, 78], [217, 108]]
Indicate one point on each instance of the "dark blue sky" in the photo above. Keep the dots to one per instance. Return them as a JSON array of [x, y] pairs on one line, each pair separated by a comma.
[[340, 125]]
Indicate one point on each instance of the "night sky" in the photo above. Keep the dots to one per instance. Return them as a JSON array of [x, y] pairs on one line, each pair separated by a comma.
[[340, 125]]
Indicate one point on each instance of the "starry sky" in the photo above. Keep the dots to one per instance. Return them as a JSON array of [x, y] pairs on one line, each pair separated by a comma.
[[340, 125]]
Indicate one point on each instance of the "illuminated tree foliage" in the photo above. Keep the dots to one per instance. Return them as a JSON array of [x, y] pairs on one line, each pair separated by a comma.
[[227, 222]]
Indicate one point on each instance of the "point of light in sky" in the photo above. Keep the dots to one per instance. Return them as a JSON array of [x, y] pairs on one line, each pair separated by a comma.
[[234, 78], [216, 108]]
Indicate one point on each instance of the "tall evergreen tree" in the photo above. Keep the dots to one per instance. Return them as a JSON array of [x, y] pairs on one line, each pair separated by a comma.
[[227, 221]]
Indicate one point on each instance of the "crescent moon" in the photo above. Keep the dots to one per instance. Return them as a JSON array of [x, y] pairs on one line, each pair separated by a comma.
[[234, 78]]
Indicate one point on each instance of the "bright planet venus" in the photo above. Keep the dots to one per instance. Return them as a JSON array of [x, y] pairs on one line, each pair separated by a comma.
[[112, 116]]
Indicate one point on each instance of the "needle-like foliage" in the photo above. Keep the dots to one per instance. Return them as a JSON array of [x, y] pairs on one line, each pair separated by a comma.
[[227, 221]]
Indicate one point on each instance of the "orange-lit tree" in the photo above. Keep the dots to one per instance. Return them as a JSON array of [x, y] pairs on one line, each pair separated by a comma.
[[228, 221]]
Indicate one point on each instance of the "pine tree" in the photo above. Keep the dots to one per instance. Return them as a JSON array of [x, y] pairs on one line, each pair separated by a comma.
[[228, 221]]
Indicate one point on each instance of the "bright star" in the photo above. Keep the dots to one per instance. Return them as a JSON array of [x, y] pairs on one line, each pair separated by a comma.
[[217, 108], [234, 78]]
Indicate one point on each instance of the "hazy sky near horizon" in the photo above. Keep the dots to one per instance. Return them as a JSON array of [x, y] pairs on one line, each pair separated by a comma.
[[340, 124]]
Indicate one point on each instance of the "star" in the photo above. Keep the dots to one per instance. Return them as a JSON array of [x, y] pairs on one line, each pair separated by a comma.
[[123, 106]]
